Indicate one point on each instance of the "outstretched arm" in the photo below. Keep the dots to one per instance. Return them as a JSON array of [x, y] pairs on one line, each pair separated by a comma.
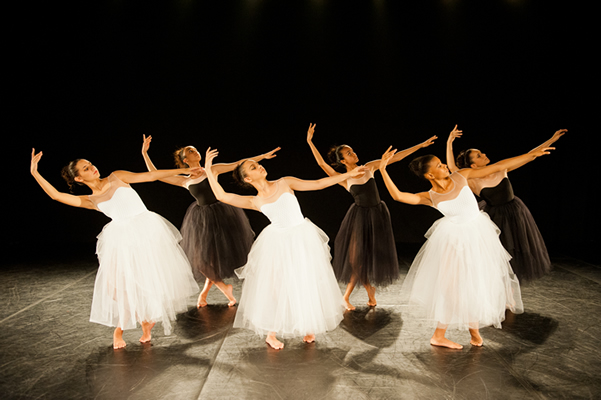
[[157, 175], [546, 144], [221, 195], [508, 164], [455, 133], [327, 168], [65, 198], [227, 167], [173, 180], [402, 154], [303, 185], [403, 197]]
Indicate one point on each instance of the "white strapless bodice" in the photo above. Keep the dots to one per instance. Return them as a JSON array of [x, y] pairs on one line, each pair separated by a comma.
[[285, 212]]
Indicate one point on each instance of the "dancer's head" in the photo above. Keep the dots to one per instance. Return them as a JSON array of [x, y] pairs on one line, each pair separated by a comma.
[[249, 172], [186, 155], [429, 167], [471, 158], [342, 156], [79, 171]]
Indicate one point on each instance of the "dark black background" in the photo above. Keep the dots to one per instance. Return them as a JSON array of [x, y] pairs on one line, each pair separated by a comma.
[[89, 78]]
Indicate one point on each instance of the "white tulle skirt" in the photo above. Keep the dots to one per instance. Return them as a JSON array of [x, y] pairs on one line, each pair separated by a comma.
[[289, 285], [461, 277], [144, 274]]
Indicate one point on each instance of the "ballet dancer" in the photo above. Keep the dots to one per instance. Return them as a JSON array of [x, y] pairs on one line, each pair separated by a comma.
[[364, 248], [461, 276], [144, 275], [216, 236], [289, 288], [519, 234]]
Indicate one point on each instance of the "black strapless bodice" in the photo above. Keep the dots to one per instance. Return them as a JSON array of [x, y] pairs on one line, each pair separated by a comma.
[[202, 193], [366, 195], [498, 195]]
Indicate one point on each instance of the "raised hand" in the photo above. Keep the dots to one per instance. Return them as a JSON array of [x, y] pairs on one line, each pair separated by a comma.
[[542, 152], [359, 170], [430, 141], [558, 134], [271, 154], [455, 133], [209, 156], [310, 132], [388, 154], [146, 143], [35, 159]]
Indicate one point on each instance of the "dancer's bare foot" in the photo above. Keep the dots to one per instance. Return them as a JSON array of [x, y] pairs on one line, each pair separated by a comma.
[[274, 342], [439, 339], [310, 338], [229, 293], [202, 301], [371, 295], [444, 342], [146, 332], [348, 305], [476, 338], [118, 342]]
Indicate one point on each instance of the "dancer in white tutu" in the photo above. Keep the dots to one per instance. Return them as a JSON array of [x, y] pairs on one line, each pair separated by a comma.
[[144, 275], [364, 248], [461, 277], [519, 234], [216, 236], [289, 288]]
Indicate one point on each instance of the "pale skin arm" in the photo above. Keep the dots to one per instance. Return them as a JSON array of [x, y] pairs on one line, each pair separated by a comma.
[[422, 198], [455, 133], [508, 164], [221, 195], [65, 198]]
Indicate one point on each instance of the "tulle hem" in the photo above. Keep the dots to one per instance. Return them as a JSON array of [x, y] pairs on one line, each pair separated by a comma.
[[289, 286]]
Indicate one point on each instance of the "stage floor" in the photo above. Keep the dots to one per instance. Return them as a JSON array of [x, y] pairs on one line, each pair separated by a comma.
[[49, 350]]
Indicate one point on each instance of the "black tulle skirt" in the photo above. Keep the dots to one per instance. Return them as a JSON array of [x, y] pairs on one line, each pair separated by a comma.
[[216, 240], [365, 247], [521, 238]]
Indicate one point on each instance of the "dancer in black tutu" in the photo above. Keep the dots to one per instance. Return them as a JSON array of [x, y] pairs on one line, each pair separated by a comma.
[[519, 234], [364, 249], [216, 236]]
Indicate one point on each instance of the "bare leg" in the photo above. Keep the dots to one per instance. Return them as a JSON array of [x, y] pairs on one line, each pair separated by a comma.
[[228, 291], [310, 338], [202, 298], [476, 339], [438, 339], [118, 342], [371, 294], [273, 341], [349, 290], [146, 334]]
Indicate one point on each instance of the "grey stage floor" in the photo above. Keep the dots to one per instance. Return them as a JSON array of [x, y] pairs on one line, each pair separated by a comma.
[[50, 350]]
